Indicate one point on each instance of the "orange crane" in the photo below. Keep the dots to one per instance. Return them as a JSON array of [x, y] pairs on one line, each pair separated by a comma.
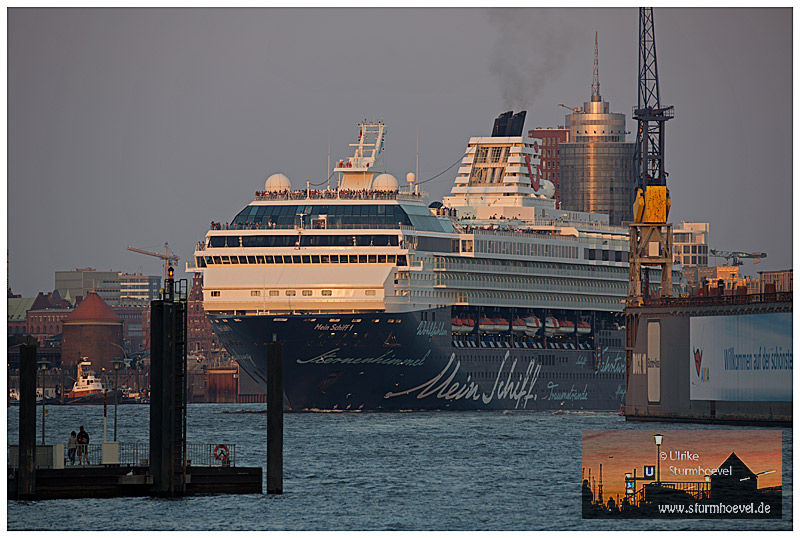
[[168, 259]]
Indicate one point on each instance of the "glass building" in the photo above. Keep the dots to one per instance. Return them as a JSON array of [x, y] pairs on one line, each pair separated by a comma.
[[598, 177]]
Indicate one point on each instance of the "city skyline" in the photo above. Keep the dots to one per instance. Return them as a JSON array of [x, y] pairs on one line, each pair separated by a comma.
[[140, 126]]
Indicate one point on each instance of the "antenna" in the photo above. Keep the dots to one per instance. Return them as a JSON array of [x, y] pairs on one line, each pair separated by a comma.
[[416, 173], [596, 75], [329, 159]]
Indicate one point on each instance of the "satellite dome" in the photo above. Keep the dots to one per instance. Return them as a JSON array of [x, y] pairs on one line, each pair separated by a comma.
[[277, 183], [546, 188], [385, 182]]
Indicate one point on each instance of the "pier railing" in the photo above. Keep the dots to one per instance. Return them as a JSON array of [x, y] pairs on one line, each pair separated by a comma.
[[134, 454], [714, 300]]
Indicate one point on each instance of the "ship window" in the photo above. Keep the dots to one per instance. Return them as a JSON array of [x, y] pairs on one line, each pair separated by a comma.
[[291, 293], [287, 259], [325, 258], [260, 259], [343, 258], [234, 259], [215, 294], [278, 259], [372, 258], [353, 258], [315, 258], [209, 260], [327, 293], [381, 258], [369, 292], [334, 258], [268, 259], [274, 293], [391, 258], [226, 260], [306, 259], [251, 259], [307, 293], [243, 259], [295, 259], [362, 258], [255, 293]]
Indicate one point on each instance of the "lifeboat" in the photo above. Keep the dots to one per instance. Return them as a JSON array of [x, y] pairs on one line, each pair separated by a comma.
[[467, 324], [550, 326], [500, 325], [584, 327], [486, 325], [456, 325], [518, 325], [532, 325], [565, 327]]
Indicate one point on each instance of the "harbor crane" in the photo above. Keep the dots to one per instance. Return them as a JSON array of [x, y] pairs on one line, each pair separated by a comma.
[[736, 257], [651, 234], [168, 258]]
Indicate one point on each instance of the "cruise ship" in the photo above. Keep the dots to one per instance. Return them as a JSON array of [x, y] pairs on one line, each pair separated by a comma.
[[492, 298]]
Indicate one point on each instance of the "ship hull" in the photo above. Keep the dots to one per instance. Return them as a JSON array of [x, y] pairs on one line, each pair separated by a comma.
[[411, 361]]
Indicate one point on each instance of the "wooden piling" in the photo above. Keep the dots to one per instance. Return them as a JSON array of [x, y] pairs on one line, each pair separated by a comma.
[[26, 484], [275, 418]]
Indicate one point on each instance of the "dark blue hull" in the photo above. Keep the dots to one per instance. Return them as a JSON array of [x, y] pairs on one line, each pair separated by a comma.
[[411, 361]]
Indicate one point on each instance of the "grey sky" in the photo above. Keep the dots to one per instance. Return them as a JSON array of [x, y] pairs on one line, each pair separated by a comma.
[[140, 126]]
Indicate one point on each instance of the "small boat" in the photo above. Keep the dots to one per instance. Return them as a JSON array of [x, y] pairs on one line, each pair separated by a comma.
[[456, 325], [467, 325], [487, 325], [584, 327], [88, 389], [532, 326], [518, 325], [550, 326], [501, 325], [565, 327]]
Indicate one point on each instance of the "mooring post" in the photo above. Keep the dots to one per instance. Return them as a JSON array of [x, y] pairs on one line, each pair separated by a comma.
[[26, 477], [275, 418]]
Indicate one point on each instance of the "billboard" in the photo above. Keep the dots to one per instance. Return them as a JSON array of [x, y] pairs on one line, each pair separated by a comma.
[[741, 358]]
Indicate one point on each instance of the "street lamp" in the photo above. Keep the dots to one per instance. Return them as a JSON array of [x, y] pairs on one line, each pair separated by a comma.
[[116, 362], [43, 365], [658, 438]]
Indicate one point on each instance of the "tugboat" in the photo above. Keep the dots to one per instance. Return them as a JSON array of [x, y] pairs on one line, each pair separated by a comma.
[[88, 389]]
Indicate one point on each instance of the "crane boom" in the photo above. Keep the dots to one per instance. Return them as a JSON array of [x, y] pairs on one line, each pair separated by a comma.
[[168, 258], [736, 257]]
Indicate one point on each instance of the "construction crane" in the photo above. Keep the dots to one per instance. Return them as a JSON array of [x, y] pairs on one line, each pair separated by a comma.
[[651, 234], [574, 110], [736, 257], [167, 257]]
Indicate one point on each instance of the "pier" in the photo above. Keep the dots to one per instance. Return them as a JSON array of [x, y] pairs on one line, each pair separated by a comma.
[[682, 365], [167, 466]]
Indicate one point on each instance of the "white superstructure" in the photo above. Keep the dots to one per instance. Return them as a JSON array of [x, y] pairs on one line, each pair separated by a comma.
[[370, 246]]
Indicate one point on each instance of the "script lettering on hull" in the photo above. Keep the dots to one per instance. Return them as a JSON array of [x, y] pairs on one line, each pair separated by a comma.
[[387, 359], [444, 387]]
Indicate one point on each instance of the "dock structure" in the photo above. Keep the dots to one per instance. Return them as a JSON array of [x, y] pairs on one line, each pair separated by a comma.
[[722, 359], [167, 465]]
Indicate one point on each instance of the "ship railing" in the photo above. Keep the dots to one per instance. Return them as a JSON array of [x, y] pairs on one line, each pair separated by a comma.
[[330, 225], [714, 300], [341, 194]]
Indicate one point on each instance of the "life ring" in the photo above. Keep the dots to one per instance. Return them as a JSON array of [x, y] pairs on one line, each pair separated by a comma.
[[221, 452]]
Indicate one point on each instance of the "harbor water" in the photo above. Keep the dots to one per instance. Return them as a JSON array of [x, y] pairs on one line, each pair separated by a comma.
[[369, 471]]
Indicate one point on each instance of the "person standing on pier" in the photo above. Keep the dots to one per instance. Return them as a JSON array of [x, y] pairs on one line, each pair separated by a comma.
[[83, 443], [72, 446]]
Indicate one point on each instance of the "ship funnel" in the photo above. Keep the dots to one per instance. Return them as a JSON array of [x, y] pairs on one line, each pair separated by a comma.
[[501, 124], [516, 123]]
